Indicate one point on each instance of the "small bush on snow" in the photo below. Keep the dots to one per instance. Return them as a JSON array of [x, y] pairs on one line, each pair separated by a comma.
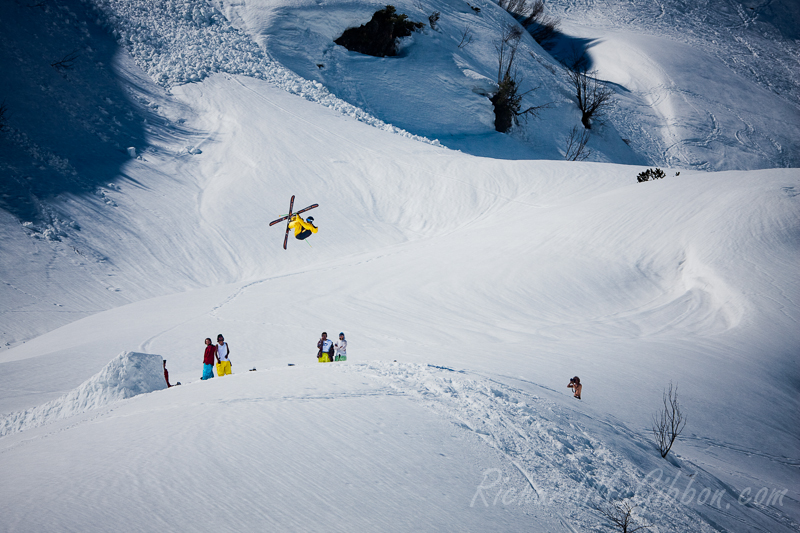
[[650, 174]]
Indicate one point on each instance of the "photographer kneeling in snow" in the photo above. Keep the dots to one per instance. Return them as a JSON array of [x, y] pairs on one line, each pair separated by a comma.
[[575, 385]]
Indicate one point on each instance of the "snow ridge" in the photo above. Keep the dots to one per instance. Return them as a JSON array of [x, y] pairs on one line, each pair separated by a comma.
[[127, 375], [178, 42]]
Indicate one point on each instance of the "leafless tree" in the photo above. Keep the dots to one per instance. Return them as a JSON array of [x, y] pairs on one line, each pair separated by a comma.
[[507, 50], [576, 145], [593, 96], [669, 422], [619, 514], [466, 36], [508, 98], [66, 62]]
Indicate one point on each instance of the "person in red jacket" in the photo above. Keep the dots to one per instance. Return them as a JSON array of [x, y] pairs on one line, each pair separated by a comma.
[[208, 360], [166, 374]]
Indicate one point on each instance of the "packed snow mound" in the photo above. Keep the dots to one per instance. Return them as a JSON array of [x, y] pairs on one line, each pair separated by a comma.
[[127, 375]]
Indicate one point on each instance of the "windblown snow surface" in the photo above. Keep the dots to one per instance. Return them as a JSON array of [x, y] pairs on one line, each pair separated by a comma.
[[471, 284]]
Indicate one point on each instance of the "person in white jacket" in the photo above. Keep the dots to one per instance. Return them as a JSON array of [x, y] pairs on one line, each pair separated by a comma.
[[223, 356], [341, 348]]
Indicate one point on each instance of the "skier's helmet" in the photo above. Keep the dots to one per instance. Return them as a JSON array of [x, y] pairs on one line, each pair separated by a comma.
[[310, 219]]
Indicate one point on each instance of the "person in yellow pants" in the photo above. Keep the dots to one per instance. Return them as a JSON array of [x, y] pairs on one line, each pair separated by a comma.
[[325, 345], [302, 228], [223, 357]]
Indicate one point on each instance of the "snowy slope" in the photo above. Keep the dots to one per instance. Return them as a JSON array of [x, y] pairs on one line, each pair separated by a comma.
[[522, 273], [375, 447], [684, 98], [470, 288]]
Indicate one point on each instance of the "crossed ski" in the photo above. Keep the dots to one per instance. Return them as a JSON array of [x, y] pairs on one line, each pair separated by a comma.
[[289, 216]]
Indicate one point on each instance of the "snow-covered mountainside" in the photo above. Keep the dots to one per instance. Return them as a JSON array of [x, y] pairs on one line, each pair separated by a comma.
[[147, 146], [711, 85]]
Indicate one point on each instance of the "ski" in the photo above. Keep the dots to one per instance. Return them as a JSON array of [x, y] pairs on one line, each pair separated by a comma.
[[284, 217], [286, 238], [306, 209]]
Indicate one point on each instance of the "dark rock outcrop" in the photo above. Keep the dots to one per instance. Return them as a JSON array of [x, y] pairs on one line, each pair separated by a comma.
[[378, 37]]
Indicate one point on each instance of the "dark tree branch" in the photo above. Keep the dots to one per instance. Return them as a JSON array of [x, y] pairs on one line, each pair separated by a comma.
[[576, 145], [466, 36], [66, 62]]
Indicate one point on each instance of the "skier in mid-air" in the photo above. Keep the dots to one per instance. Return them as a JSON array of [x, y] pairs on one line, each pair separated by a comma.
[[302, 228]]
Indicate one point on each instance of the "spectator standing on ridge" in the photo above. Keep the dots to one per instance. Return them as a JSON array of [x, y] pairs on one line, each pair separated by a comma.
[[325, 345], [208, 360], [341, 348], [223, 351], [166, 374]]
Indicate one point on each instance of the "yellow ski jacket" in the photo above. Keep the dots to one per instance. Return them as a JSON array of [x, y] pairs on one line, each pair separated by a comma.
[[298, 224]]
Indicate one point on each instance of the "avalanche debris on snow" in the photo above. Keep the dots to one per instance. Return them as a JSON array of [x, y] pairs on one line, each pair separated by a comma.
[[179, 42]]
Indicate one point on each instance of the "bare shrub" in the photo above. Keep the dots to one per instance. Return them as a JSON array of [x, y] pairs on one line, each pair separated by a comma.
[[433, 19], [669, 422], [594, 97], [576, 145], [507, 100], [619, 515], [466, 36]]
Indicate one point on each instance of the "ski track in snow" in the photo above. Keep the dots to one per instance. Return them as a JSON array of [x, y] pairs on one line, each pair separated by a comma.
[[547, 444]]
